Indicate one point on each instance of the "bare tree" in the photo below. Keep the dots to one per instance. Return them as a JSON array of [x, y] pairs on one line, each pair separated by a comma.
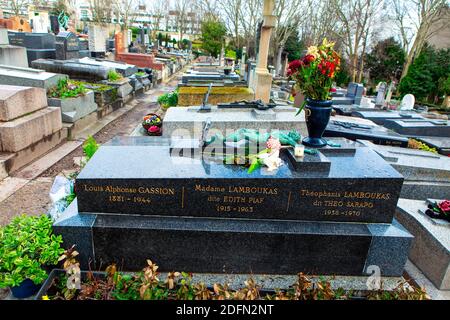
[[356, 19], [183, 13], [17, 5], [101, 11], [126, 12], [426, 17], [289, 14], [231, 10], [158, 9], [320, 23], [250, 16]]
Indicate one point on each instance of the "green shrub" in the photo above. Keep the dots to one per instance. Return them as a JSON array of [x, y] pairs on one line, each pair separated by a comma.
[[26, 244], [114, 76], [67, 89], [168, 99], [90, 146]]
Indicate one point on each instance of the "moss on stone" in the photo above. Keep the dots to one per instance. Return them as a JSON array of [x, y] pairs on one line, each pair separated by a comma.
[[215, 90]]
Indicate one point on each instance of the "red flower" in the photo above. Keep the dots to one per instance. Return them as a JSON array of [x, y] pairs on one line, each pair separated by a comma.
[[308, 59], [295, 65], [444, 206], [333, 90]]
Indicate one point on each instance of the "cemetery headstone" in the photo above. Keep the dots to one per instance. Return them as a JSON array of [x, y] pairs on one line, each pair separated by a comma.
[[97, 40], [67, 46], [11, 55], [379, 101], [407, 102]]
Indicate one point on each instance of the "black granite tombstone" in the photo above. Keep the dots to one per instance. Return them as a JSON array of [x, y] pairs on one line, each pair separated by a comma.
[[420, 127], [137, 198], [382, 117], [376, 134], [39, 45], [67, 46]]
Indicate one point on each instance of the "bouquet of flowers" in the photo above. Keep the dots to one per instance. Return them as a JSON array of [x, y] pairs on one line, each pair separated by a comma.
[[314, 73], [439, 210], [152, 124]]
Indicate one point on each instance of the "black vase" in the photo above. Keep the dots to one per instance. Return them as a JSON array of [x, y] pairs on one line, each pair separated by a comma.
[[317, 114]]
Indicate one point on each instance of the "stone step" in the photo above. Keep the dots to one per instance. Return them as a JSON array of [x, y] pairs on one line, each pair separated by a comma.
[[18, 101], [23, 132], [19, 159]]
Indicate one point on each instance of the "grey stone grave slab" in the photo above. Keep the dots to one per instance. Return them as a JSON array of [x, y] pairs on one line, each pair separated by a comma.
[[426, 127], [187, 122], [430, 250], [384, 117], [73, 109], [29, 77], [427, 175], [441, 144]]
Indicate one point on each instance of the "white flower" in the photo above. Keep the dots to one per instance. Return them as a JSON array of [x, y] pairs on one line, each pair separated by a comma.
[[271, 160]]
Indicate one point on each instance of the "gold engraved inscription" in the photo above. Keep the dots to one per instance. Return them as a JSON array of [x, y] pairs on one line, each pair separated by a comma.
[[240, 199], [138, 195], [344, 203]]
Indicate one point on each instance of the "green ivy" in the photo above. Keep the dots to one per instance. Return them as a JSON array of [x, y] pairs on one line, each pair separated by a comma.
[[26, 244]]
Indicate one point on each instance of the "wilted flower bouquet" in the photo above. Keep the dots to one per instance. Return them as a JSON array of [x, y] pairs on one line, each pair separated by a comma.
[[314, 73]]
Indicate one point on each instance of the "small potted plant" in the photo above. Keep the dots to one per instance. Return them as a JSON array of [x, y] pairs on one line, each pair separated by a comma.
[[152, 124], [27, 247], [314, 75]]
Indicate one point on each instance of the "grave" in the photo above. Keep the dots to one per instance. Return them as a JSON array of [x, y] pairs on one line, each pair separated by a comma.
[[441, 144], [11, 55], [346, 128], [188, 122], [29, 77], [353, 95], [427, 175], [67, 46], [194, 95], [383, 117], [420, 127], [75, 69], [123, 68], [39, 45], [28, 128], [74, 109], [84, 49], [350, 109], [284, 222], [97, 40], [430, 249]]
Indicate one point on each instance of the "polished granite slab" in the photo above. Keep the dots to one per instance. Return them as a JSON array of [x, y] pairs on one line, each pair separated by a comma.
[[235, 245], [139, 176]]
